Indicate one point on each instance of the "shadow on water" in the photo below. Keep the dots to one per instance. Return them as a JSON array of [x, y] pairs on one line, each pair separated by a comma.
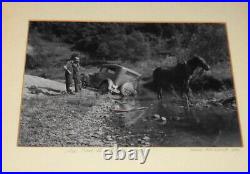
[[169, 123]]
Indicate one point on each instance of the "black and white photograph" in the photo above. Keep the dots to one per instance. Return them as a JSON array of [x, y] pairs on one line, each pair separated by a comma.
[[101, 84]]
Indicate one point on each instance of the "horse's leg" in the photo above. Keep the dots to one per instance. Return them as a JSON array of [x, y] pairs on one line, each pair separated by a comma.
[[189, 93], [187, 102], [185, 90], [174, 91], [189, 90], [160, 93]]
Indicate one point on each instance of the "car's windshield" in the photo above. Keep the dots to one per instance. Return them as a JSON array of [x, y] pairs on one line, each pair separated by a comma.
[[111, 70], [103, 69], [132, 75]]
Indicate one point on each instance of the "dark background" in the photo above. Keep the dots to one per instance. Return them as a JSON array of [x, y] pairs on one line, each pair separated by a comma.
[[128, 41]]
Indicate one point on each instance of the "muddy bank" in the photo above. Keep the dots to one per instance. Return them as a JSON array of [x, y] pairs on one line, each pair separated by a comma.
[[90, 119]]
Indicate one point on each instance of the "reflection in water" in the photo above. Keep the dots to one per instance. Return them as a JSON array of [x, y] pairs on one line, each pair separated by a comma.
[[207, 126]]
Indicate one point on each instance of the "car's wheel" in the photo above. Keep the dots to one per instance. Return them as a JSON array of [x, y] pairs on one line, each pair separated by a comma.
[[84, 80], [127, 89], [104, 88], [84, 84]]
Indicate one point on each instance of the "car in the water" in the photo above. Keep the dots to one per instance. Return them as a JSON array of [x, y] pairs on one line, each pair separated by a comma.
[[113, 78]]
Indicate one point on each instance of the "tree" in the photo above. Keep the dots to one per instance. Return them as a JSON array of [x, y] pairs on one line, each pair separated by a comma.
[[103, 50]]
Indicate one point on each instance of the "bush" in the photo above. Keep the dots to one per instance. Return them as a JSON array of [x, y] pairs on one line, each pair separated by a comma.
[[137, 42], [33, 62]]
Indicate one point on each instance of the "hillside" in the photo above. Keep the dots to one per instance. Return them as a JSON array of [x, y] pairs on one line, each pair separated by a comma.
[[51, 43]]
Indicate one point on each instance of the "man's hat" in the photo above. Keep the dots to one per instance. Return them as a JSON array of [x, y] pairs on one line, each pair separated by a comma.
[[73, 56], [77, 59]]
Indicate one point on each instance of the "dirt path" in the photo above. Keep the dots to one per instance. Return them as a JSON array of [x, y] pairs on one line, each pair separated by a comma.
[[37, 86], [68, 120], [50, 117]]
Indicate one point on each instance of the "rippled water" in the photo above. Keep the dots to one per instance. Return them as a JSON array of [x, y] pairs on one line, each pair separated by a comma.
[[200, 126]]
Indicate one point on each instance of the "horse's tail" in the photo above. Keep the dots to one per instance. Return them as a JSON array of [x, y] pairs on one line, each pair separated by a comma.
[[157, 75], [157, 78], [157, 81]]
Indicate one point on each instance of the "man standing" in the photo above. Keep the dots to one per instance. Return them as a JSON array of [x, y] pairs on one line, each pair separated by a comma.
[[76, 74], [68, 74]]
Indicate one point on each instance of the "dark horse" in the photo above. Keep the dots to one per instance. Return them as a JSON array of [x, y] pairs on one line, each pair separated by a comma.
[[178, 76]]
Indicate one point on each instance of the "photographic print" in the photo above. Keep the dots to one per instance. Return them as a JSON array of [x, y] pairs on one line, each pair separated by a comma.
[[100, 84]]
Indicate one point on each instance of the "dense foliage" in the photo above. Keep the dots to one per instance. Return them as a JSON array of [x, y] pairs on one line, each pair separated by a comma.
[[138, 41]]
